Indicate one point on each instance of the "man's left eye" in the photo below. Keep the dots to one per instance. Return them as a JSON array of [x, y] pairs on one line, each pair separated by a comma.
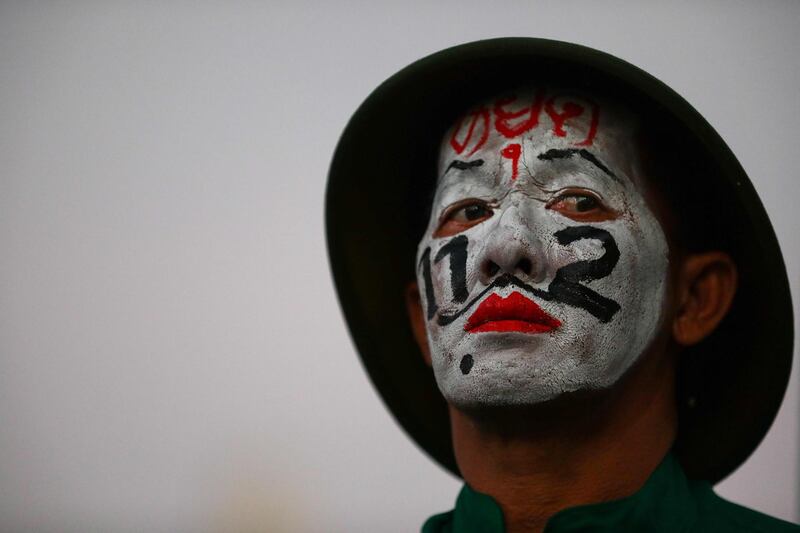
[[581, 205]]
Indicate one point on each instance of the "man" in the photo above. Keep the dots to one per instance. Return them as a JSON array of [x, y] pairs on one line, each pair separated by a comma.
[[576, 288]]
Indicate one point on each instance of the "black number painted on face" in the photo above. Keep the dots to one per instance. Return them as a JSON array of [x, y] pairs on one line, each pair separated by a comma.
[[430, 299], [566, 286], [456, 248]]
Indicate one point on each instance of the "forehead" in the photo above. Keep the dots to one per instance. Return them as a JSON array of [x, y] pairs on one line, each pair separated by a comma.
[[540, 119]]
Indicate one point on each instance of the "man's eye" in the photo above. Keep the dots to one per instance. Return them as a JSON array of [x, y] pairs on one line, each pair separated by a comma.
[[470, 213], [462, 216], [581, 205]]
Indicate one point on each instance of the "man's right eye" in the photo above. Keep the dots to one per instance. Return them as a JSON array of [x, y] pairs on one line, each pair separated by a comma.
[[462, 216]]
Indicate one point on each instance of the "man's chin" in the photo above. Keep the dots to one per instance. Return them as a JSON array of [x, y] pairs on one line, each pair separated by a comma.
[[508, 375], [542, 413], [483, 393]]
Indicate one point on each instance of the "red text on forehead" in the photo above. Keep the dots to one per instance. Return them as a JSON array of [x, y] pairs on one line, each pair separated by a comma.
[[529, 114], [476, 125], [570, 109], [512, 152], [514, 116]]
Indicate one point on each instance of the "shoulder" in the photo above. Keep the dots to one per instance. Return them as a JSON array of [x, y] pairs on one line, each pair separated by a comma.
[[440, 523], [718, 514]]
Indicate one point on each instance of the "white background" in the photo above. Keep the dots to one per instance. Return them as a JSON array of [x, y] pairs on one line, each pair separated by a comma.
[[172, 357]]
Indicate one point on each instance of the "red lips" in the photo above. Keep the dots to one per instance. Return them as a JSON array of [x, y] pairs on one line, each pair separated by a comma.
[[513, 313]]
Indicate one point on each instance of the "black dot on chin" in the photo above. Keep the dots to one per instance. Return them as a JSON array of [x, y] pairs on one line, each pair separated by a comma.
[[466, 364]]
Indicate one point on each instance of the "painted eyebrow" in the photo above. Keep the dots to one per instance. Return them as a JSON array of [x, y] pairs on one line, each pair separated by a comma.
[[463, 165], [566, 153]]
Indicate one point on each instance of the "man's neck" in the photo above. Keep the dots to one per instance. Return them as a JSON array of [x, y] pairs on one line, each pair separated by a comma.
[[601, 447]]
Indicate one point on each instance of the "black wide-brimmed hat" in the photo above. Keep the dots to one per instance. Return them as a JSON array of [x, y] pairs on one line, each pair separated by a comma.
[[730, 385]]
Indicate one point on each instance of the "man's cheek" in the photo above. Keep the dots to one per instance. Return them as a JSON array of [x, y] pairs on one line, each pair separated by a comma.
[[434, 281], [454, 254], [443, 272], [569, 285], [425, 284]]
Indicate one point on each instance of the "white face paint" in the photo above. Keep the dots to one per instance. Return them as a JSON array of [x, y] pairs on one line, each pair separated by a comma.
[[542, 270]]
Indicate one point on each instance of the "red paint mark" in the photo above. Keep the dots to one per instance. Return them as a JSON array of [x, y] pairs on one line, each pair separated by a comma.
[[569, 110], [512, 152], [513, 313], [478, 116], [592, 126], [573, 110], [504, 117]]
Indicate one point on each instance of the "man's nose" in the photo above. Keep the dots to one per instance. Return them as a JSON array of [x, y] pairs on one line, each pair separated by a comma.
[[511, 248]]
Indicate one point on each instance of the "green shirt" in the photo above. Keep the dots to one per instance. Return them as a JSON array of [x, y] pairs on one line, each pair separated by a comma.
[[666, 502]]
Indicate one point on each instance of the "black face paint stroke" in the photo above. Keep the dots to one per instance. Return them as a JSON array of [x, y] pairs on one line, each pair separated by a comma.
[[565, 287], [566, 153], [466, 364], [456, 248], [463, 165], [425, 263], [504, 280]]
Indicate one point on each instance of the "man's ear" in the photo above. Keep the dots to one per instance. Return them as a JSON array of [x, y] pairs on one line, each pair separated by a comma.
[[706, 286], [417, 319]]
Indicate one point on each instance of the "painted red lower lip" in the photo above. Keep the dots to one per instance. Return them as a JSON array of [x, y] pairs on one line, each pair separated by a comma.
[[513, 313]]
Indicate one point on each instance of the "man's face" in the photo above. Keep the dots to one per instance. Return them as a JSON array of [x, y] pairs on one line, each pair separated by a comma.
[[542, 270]]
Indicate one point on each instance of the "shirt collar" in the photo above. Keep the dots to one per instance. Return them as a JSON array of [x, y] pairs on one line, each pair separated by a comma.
[[664, 503]]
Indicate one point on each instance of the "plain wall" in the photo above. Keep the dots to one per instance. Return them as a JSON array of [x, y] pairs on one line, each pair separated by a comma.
[[172, 356]]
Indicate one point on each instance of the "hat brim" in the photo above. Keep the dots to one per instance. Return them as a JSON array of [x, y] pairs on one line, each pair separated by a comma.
[[736, 377]]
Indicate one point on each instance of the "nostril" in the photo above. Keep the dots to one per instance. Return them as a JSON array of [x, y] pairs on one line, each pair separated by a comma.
[[524, 265], [490, 268]]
